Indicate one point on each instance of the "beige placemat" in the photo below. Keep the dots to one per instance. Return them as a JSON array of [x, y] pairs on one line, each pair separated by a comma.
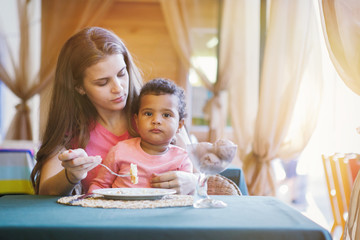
[[100, 202]]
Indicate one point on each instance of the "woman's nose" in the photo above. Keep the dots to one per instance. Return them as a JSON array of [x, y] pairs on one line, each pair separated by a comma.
[[116, 86]]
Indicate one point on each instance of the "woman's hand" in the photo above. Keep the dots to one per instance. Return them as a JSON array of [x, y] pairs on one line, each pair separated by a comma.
[[77, 164], [183, 182]]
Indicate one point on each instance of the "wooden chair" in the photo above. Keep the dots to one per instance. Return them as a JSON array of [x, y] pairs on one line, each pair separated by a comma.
[[339, 183], [220, 185]]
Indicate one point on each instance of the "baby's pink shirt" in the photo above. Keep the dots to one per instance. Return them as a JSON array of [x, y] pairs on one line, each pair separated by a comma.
[[129, 151], [100, 142]]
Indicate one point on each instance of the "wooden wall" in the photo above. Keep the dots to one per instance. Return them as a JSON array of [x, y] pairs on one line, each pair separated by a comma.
[[141, 25]]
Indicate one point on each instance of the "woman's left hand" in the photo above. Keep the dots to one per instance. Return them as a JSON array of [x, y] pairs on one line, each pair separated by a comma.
[[183, 182]]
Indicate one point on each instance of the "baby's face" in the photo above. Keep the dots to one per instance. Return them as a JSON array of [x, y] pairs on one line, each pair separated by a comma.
[[158, 118]]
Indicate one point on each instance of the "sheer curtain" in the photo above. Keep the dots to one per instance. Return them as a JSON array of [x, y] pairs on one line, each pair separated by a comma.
[[16, 75], [341, 28], [60, 19], [176, 13], [178, 24], [237, 68], [278, 121], [289, 44], [239, 63]]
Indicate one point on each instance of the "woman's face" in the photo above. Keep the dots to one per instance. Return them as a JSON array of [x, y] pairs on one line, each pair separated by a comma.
[[106, 84]]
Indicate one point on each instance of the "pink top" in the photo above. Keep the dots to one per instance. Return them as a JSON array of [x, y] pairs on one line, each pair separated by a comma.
[[129, 151], [100, 142]]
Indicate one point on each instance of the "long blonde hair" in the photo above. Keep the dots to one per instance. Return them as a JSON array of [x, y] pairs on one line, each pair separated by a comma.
[[71, 115]]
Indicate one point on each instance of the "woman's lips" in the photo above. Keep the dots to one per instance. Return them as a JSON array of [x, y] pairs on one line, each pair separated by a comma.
[[118, 100]]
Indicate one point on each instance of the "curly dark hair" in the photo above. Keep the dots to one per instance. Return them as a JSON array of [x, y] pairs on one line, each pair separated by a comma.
[[161, 86]]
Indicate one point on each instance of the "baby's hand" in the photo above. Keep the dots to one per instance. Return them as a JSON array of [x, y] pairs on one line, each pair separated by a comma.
[[183, 182]]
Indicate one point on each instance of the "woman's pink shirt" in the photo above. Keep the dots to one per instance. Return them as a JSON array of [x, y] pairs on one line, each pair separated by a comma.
[[100, 142]]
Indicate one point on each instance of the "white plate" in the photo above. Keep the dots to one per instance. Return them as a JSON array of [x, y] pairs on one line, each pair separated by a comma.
[[134, 193]]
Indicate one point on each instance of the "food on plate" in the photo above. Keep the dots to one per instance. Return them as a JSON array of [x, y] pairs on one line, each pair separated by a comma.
[[133, 173]]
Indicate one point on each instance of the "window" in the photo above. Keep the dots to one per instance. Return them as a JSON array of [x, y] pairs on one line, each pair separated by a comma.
[[204, 21], [200, 94]]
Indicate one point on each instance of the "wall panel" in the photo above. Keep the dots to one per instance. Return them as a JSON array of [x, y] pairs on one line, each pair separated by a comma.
[[142, 27]]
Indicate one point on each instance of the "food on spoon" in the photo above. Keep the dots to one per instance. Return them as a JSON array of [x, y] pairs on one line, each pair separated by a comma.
[[133, 173]]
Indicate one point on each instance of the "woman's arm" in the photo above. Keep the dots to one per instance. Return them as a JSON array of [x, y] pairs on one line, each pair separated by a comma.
[[56, 181]]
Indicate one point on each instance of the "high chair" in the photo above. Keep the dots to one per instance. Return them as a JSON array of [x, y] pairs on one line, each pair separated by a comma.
[[339, 183]]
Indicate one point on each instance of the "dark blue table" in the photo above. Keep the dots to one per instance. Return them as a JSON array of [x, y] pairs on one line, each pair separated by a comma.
[[246, 217]]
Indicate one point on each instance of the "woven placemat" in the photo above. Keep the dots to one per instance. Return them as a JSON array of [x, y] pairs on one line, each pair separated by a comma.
[[100, 202]]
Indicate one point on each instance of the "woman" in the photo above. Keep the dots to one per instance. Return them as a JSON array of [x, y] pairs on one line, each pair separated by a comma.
[[96, 82]]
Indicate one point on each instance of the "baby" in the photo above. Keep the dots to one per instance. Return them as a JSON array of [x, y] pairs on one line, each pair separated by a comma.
[[159, 113]]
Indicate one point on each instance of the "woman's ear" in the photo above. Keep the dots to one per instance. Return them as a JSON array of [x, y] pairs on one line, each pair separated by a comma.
[[80, 90]]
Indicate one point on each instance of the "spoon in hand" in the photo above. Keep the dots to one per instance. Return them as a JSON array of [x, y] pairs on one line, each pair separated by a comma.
[[113, 173]]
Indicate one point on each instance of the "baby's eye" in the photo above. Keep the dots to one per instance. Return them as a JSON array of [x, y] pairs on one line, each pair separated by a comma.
[[167, 115], [147, 114]]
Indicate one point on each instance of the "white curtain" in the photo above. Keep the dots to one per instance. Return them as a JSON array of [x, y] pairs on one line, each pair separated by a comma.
[[17, 75], [178, 24], [290, 51], [238, 73], [267, 123], [239, 63], [59, 19], [341, 28]]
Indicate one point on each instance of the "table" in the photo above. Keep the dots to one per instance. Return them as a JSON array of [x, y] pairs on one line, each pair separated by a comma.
[[246, 217]]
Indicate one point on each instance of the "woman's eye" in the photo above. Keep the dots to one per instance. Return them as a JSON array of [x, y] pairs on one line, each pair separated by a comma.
[[102, 83], [122, 73]]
